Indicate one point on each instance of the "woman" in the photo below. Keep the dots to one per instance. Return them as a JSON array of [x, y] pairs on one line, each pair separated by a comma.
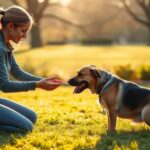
[[15, 24]]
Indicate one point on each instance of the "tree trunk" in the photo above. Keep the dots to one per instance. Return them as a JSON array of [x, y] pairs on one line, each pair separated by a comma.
[[36, 40]]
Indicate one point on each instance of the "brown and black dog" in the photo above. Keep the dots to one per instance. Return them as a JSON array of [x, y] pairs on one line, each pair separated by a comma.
[[119, 97]]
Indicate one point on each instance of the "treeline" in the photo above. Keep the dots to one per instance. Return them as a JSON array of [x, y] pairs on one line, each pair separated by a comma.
[[124, 71]]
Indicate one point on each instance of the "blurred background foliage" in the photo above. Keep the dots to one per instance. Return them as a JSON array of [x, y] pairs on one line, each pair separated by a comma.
[[86, 21]]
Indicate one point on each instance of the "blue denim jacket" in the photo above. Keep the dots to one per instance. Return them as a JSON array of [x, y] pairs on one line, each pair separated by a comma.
[[9, 66]]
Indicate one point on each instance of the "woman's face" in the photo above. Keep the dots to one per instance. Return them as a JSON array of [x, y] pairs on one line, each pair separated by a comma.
[[17, 33]]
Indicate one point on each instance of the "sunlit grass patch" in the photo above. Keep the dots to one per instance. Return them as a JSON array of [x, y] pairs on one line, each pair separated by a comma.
[[72, 121], [69, 121]]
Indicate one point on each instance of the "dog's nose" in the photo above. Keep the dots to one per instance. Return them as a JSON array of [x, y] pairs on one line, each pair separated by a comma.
[[69, 81], [72, 82]]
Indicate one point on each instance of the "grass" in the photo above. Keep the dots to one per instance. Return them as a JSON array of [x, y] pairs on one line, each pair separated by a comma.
[[67, 121]]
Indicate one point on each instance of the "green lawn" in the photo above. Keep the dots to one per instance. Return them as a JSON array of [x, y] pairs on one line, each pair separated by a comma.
[[69, 121]]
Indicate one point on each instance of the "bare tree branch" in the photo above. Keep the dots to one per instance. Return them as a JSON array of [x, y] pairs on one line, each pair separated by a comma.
[[43, 7], [46, 4], [133, 14], [68, 7], [81, 26], [144, 6]]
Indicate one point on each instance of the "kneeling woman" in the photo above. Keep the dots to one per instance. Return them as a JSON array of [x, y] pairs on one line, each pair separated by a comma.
[[15, 24]]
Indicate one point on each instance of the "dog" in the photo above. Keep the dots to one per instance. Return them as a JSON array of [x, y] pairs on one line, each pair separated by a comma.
[[120, 98]]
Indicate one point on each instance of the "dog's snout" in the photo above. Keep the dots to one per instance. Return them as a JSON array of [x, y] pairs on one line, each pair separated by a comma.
[[73, 82], [69, 81]]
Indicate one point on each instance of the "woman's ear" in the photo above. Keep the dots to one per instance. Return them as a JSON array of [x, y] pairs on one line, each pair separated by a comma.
[[10, 26]]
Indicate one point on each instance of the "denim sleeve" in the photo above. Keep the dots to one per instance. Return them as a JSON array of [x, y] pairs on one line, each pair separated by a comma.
[[11, 86], [20, 74]]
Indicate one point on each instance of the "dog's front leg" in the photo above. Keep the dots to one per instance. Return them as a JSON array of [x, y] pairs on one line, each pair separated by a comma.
[[112, 116]]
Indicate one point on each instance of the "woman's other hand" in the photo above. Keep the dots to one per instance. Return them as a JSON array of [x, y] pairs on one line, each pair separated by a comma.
[[49, 83]]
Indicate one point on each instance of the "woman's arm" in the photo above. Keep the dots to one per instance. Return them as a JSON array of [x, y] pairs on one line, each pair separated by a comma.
[[20, 74], [6, 85], [11, 86]]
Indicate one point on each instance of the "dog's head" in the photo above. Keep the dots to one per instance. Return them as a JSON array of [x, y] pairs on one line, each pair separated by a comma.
[[86, 78]]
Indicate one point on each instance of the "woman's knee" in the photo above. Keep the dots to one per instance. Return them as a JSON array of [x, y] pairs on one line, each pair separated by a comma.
[[33, 117], [27, 127]]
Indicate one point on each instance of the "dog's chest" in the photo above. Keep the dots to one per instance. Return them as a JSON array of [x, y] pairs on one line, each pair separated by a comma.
[[107, 103], [102, 103], [112, 99]]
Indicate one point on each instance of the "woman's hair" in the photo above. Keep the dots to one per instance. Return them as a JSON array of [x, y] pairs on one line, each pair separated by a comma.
[[16, 15]]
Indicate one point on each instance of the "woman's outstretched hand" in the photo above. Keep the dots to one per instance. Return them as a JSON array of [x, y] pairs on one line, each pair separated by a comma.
[[49, 83]]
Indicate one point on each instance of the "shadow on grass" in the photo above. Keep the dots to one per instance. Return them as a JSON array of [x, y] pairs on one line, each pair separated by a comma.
[[124, 140], [8, 138]]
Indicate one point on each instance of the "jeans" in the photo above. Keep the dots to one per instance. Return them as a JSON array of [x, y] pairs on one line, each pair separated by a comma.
[[15, 117]]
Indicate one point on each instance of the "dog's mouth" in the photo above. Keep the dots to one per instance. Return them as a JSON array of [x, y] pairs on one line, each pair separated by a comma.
[[81, 86]]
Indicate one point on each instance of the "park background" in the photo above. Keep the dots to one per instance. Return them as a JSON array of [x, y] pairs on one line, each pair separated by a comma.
[[68, 34]]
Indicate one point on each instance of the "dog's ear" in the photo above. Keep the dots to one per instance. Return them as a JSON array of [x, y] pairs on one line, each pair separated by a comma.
[[95, 73]]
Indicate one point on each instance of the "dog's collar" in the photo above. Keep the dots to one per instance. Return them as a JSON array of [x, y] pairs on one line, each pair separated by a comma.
[[100, 86]]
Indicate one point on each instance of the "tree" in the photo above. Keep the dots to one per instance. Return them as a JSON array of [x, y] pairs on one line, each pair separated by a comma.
[[37, 9], [140, 12], [99, 18]]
